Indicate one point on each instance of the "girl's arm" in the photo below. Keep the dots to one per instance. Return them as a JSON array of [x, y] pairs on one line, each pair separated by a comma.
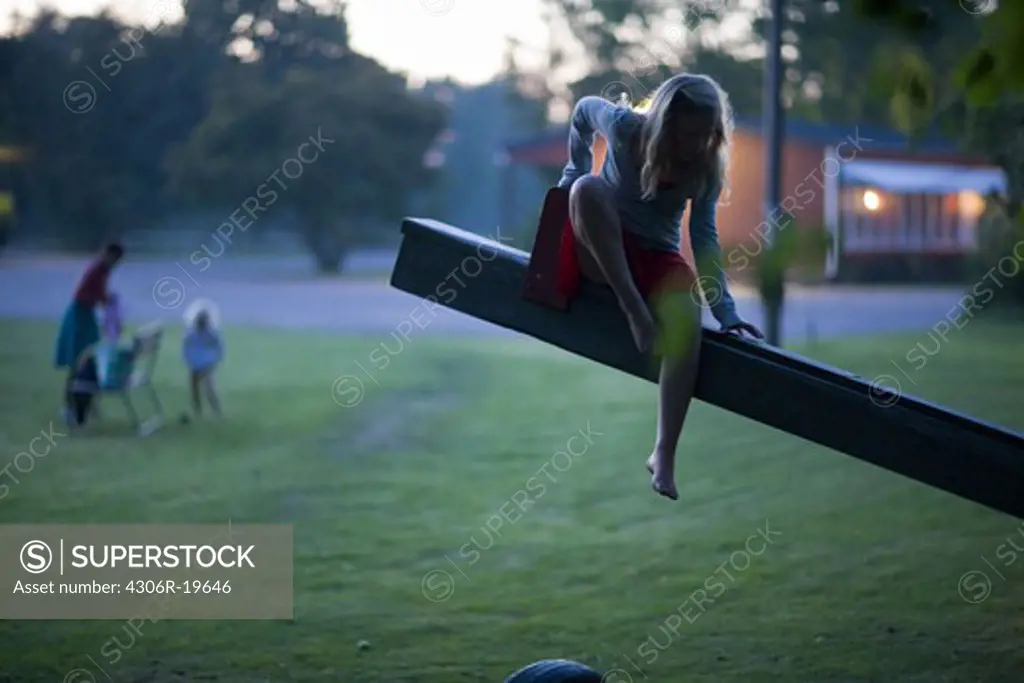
[[591, 115], [708, 255], [217, 344], [104, 287]]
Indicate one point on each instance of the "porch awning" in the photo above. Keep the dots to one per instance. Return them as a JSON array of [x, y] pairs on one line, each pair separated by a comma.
[[927, 178]]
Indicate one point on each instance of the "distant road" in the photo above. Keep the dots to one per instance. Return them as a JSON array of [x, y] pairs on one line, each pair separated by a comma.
[[280, 292]]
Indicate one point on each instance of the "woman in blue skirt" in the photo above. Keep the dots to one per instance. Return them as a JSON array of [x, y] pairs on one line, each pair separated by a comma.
[[79, 329]]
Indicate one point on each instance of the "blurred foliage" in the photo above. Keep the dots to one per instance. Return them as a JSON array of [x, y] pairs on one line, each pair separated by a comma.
[[127, 123], [828, 49], [999, 237], [980, 100], [677, 311], [633, 45], [796, 247], [800, 248], [742, 79], [6, 225], [98, 103], [961, 67], [362, 139]]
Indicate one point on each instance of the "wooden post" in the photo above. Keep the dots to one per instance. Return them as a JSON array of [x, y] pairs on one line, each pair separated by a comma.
[[947, 450], [774, 293]]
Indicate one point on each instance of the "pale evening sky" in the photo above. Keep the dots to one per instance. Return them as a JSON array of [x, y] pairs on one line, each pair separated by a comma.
[[424, 38]]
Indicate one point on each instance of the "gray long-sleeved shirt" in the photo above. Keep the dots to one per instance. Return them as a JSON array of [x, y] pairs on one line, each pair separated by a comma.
[[655, 223]]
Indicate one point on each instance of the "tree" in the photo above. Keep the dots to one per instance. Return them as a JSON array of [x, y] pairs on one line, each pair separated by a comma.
[[342, 146], [977, 93], [981, 98], [296, 77], [74, 172], [277, 36], [634, 45], [98, 103]]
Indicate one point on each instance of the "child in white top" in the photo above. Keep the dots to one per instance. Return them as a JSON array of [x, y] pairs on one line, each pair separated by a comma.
[[203, 352], [112, 360]]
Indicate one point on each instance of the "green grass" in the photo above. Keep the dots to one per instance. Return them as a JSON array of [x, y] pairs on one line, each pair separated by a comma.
[[859, 584]]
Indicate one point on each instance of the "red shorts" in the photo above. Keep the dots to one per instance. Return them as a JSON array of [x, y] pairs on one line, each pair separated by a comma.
[[653, 271]]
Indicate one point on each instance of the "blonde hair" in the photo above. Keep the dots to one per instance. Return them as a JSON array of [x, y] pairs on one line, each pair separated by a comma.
[[681, 94], [202, 308]]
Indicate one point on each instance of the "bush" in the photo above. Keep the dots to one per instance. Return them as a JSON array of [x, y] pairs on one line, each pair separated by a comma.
[[1000, 237], [799, 254]]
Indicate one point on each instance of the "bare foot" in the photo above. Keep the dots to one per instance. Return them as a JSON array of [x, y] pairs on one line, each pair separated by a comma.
[[663, 484], [643, 328]]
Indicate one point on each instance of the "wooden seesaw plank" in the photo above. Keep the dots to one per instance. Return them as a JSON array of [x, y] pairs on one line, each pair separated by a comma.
[[947, 450]]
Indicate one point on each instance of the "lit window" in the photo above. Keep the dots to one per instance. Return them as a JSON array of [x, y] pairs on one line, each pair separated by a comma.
[[872, 202], [972, 204]]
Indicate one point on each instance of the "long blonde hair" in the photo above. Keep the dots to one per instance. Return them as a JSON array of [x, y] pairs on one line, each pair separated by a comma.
[[678, 95]]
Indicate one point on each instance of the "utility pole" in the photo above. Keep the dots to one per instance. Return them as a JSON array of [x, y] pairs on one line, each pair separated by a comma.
[[772, 272]]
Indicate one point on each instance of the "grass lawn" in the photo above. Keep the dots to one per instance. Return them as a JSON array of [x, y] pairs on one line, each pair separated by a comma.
[[859, 582]]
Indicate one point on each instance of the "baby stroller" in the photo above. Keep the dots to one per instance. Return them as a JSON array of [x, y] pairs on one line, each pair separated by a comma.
[[112, 368]]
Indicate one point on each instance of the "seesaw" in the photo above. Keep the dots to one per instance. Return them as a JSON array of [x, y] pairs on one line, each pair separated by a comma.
[[944, 449]]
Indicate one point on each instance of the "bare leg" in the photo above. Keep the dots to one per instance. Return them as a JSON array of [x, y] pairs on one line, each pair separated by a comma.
[[197, 404], [68, 402], [676, 385], [597, 228], [211, 392]]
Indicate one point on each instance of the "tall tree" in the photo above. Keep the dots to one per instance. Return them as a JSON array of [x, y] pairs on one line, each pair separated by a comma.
[[276, 34], [975, 85], [982, 99], [631, 46], [835, 59], [298, 77], [98, 103], [362, 136]]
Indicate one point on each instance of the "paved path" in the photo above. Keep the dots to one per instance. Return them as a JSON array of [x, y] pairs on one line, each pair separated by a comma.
[[281, 293]]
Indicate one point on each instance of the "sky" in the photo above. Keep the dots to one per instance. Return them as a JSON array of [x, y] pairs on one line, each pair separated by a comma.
[[464, 39]]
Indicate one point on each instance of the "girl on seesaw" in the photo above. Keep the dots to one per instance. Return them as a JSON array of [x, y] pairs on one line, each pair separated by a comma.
[[625, 228]]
